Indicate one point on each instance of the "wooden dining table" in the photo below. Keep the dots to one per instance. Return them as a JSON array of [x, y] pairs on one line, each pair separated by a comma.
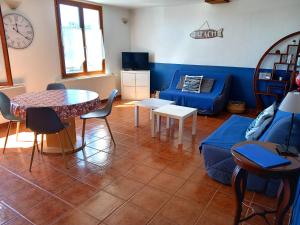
[[67, 103]]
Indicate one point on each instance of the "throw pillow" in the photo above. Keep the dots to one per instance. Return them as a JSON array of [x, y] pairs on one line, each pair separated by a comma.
[[207, 85], [258, 126], [180, 83], [192, 84]]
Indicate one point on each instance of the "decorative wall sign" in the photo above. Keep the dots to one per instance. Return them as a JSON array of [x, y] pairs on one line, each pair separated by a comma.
[[207, 33]]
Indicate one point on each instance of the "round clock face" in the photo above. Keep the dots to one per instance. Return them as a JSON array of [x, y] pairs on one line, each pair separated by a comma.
[[18, 30]]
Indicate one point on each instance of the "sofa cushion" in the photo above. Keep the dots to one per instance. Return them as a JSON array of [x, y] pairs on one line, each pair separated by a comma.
[[180, 83], [259, 125], [207, 85], [229, 133], [204, 101], [278, 131], [192, 84]]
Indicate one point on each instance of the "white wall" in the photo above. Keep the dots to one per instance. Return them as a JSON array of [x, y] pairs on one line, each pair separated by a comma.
[[250, 27], [39, 64]]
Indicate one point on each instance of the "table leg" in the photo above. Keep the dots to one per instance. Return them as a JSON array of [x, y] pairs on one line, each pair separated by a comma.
[[150, 115], [286, 198], [53, 144], [153, 125], [181, 121], [168, 122], [194, 126], [239, 183], [18, 131], [136, 116], [157, 123]]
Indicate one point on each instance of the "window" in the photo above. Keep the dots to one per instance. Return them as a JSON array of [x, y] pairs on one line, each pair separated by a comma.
[[80, 35], [5, 70]]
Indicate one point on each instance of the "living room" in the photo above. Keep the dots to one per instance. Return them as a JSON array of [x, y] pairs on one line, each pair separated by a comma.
[[177, 164]]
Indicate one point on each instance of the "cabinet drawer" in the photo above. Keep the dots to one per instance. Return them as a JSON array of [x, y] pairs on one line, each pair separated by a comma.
[[142, 93], [128, 93], [142, 79], [128, 79]]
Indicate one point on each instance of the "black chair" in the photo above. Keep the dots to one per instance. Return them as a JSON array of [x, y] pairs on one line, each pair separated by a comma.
[[100, 114], [56, 86], [5, 110], [52, 86], [44, 120]]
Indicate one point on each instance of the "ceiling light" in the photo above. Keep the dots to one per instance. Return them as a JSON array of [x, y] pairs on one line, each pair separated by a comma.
[[13, 4]]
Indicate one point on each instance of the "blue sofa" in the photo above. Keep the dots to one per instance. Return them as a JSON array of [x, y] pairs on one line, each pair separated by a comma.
[[216, 148], [206, 103]]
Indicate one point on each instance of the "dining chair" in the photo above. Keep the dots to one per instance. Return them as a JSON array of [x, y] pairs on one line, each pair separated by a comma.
[[102, 113], [5, 110], [44, 120], [55, 86], [52, 86]]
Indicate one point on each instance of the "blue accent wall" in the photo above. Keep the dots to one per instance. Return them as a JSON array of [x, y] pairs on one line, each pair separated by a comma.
[[242, 87]]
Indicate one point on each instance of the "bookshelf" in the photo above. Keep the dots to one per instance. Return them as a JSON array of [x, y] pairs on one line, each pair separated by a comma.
[[276, 70]]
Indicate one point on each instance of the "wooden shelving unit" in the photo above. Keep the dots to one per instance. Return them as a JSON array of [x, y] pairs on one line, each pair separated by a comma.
[[285, 67]]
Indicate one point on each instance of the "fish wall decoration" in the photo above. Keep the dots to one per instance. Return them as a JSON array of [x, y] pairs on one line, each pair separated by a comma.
[[206, 33]]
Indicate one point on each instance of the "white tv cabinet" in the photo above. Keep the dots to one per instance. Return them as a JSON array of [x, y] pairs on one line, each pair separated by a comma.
[[135, 84]]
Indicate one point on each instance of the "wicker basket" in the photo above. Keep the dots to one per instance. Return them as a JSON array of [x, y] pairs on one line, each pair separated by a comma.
[[236, 107]]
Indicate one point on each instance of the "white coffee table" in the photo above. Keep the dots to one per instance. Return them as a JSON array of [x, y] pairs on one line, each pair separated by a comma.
[[174, 112], [151, 103]]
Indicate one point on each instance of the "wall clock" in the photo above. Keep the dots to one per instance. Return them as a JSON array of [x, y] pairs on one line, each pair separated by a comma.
[[19, 31]]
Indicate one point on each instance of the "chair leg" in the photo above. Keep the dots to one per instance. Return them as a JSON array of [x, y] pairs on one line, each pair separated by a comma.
[[83, 131], [112, 137], [69, 138], [7, 133], [42, 143], [17, 131], [63, 151], [33, 150]]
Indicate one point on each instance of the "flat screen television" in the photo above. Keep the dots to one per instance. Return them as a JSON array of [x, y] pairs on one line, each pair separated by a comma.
[[135, 61]]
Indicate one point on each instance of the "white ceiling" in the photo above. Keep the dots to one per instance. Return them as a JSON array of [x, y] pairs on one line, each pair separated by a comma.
[[144, 3]]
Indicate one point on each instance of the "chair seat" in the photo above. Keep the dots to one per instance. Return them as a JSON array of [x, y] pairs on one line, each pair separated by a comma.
[[101, 114], [12, 118]]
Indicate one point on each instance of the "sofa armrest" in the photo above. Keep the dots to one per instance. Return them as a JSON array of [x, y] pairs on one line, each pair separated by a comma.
[[222, 100]]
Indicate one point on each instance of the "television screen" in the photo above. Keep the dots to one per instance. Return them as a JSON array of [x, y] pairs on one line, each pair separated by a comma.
[[135, 61]]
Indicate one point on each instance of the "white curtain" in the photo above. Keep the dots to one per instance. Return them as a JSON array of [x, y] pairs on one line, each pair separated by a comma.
[[94, 49], [73, 47]]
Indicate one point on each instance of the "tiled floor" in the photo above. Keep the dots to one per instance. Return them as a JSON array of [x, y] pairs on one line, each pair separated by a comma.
[[141, 181]]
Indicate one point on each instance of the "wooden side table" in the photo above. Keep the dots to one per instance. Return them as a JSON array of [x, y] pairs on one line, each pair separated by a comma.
[[286, 194]]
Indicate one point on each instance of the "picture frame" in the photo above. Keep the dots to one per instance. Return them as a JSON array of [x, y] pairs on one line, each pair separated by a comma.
[[265, 76]]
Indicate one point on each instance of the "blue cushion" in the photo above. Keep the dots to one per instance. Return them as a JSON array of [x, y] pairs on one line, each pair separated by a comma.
[[258, 126], [278, 131], [192, 84]]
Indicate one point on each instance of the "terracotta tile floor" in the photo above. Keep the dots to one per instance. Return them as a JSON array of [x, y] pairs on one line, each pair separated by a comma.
[[141, 181]]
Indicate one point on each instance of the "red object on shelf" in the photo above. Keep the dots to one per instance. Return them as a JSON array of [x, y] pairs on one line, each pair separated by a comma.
[[297, 80]]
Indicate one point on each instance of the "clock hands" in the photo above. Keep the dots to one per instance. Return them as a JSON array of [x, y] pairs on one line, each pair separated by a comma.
[[17, 30], [17, 27]]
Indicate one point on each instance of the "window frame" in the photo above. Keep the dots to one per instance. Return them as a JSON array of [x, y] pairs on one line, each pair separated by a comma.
[[9, 80], [81, 6]]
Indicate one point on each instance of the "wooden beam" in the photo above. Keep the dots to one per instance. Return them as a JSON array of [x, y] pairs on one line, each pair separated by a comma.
[[217, 1]]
